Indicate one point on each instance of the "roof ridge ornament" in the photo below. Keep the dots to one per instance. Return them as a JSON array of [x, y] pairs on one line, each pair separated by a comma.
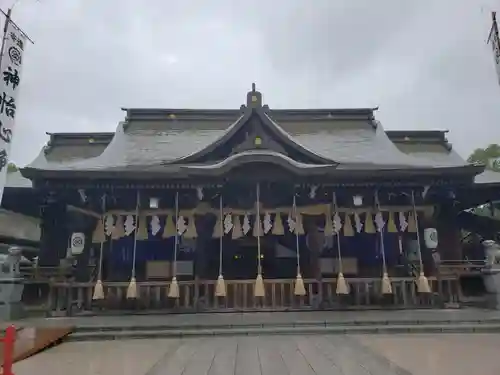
[[254, 98]]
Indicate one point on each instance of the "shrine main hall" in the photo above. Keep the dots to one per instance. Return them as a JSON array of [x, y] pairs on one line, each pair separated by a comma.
[[252, 208]]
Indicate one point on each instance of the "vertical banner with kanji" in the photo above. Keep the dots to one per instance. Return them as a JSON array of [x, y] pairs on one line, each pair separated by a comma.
[[494, 41], [10, 78]]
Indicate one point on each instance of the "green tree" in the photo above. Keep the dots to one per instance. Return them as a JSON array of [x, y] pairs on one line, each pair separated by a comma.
[[12, 168], [489, 156]]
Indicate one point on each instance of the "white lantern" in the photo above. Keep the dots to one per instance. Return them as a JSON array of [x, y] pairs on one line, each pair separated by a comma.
[[154, 202], [77, 243], [357, 200], [431, 238]]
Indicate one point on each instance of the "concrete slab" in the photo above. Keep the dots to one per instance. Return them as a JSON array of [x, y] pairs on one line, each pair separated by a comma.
[[257, 355], [454, 354], [269, 318]]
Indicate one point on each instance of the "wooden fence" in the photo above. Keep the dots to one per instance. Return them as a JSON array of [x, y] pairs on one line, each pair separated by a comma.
[[69, 298]]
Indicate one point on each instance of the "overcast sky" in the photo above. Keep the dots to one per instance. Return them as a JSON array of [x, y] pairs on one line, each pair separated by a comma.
[[425, 63]]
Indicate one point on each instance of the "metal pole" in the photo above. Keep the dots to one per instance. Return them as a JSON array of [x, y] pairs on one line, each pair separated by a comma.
[[4, 38]]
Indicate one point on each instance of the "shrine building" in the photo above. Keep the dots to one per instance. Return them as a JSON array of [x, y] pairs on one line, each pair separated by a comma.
[[252, 208]]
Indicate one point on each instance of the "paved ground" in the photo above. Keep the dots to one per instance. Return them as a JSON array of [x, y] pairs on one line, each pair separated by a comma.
[[269, 318], [275, 355]]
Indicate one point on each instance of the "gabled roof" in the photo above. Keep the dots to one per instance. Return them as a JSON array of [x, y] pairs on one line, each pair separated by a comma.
[[431, 145], [167, 140]]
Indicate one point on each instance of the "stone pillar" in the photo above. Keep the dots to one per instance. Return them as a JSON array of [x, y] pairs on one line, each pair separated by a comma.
[[491, 273], [54, 233], [11, 286]]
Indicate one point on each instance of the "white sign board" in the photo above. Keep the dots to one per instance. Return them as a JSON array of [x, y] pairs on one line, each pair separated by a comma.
[[10, 79], [77, 243]]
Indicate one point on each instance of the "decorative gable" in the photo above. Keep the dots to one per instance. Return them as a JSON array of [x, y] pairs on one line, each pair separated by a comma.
[[254, 131]]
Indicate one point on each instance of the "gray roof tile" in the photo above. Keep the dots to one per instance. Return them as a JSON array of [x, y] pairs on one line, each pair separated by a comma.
[[16, 180], [345, 137]]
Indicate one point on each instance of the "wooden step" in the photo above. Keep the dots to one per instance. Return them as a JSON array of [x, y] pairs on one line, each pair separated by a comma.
[[31, 340]]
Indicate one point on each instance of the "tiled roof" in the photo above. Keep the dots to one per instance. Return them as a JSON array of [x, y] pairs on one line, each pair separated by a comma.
[[16, 180], [341, 136]]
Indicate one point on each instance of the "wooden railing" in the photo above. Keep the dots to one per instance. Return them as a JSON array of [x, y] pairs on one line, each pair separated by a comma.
[[67, 298], [43, 274], [461, 267]]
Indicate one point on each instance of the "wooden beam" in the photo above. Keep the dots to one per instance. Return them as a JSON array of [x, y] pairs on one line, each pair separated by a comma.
[[84, 211]]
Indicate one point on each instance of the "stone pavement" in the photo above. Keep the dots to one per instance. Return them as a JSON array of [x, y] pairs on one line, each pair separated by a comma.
[[271, 318], [274, 355]]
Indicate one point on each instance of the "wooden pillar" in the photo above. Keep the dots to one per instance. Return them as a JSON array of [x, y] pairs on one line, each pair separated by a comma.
[[450, 245], [315, 243], [204, 228], [86, 225], [430, 268], [54, 232]]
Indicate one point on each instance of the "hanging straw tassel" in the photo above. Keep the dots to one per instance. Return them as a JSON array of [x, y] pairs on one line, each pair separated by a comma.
[[299, 225], [169, 230], [99, 234], [278, 228], [132, 287], [391, 224], [342, 286], [348, 229], [218, 231], [119, 228], [412, 223], [220, 287], [422, 282], [191, 228], [142, 228], [386, 287], [237, 232], [369, 226], [386, 284], [300, 289], [259, 290], [173, 290], [98, 288], [257, 227]]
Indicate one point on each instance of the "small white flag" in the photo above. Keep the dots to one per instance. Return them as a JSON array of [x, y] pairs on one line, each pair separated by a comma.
[[155, 225], [129, 225], [228, 223]]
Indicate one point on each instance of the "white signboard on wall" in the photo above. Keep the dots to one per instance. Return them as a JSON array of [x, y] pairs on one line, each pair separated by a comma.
[[10, 79]]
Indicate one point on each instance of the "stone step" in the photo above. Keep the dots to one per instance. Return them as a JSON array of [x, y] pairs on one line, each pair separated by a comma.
[[302, 330], [278, 325]]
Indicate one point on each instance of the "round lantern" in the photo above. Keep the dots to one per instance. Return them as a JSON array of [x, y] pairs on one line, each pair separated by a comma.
[[431, 238]]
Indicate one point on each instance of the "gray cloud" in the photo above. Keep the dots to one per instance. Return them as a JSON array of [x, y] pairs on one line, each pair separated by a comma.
[[425, 63]]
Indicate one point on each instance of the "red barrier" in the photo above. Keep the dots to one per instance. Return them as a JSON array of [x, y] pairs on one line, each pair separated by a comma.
[[8, 350]]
